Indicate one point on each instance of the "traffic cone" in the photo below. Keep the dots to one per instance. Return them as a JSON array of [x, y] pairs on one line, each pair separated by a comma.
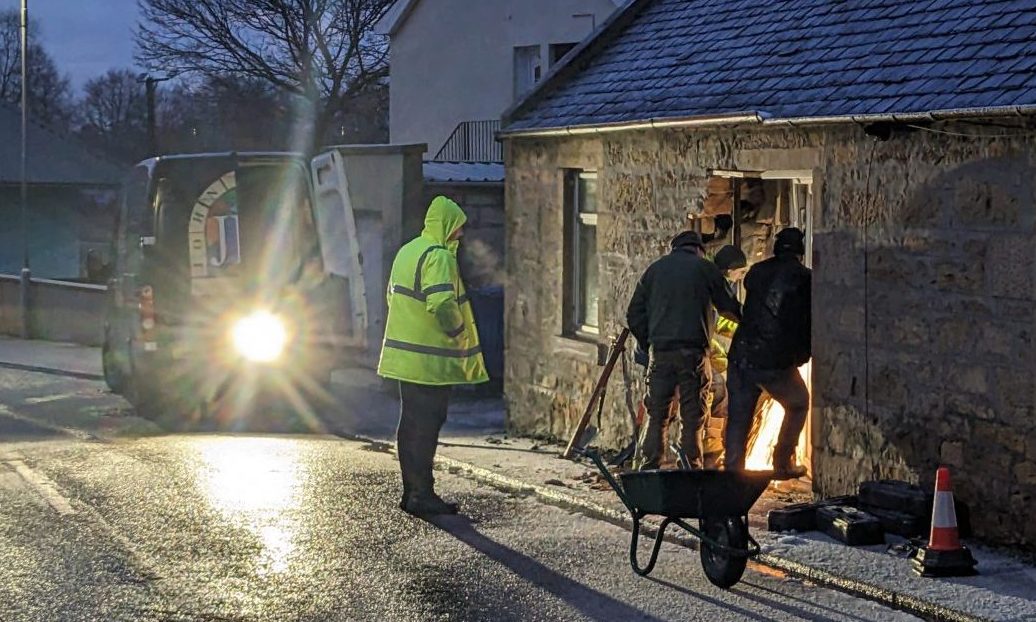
[[944, 556]]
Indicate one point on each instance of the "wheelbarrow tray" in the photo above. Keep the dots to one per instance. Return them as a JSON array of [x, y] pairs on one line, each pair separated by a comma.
[[694, 493]]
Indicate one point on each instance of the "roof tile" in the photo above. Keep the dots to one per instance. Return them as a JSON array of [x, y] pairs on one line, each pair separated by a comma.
[[797, 58]]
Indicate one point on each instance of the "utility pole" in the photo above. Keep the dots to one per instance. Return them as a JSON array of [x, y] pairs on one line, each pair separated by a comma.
[[25, 274], [152, 131], [150, 89]]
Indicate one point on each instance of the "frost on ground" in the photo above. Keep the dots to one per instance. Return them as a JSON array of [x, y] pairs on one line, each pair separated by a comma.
[[1004, 589]]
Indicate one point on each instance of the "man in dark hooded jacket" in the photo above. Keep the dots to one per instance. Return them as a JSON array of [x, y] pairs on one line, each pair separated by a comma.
[[771, 342], [670, 314]]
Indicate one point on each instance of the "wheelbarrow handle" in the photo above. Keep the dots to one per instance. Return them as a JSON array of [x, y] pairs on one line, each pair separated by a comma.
[[608, 477]]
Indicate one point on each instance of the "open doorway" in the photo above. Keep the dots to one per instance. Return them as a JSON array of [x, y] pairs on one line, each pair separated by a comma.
[[747, 209]]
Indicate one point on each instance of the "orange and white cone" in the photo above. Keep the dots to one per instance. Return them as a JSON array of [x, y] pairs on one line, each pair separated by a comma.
[[944, 556]]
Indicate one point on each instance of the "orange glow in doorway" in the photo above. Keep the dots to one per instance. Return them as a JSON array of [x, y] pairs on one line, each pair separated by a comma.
[[760, 454]]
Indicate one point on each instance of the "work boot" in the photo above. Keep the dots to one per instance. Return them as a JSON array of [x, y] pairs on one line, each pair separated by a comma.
[[788, 470], [784, 466], [427, 504]]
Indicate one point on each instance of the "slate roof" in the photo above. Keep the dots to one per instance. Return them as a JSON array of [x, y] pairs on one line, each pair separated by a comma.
[[788, 59], [463, 172], [53, 159], [397, 14]]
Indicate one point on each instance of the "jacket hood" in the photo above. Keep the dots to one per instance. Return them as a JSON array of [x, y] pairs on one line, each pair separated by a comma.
[[443, 218]]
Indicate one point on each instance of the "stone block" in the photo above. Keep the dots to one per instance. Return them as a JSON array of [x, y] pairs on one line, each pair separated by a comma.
[[982, 202], [1014, 387], [909, 330], [1005, 339], [1010, 267], [959, 276], [967, 378], [838, 260], [952, 453], [968, 406], [1025, 473], [953, 334], [630, 194]]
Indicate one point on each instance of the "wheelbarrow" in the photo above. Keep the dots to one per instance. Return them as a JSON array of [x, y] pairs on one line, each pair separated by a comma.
[[719, 500]]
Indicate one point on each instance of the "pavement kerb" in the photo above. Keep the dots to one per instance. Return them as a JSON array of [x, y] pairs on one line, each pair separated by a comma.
[[81, 375], [554, 496]]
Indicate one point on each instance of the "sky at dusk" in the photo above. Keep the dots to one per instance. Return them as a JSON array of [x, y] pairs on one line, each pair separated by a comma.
[[85, 37]]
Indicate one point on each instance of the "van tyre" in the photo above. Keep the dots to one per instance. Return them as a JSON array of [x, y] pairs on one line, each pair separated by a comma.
[[114, 376]]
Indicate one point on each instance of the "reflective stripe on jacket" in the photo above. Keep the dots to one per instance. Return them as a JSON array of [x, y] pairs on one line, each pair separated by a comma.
[[430, 332]]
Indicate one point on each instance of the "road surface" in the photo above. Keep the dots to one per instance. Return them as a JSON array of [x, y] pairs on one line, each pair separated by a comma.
[[107, 517]]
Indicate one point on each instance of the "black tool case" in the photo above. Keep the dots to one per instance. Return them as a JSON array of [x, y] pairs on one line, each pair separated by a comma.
[[849, 525]]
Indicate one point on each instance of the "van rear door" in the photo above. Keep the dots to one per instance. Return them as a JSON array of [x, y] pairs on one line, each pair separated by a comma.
[[339, 243]]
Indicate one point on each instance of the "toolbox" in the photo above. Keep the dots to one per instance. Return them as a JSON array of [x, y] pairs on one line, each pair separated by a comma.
[[849, 525], [899, 523], [889, 494], [801, 516]]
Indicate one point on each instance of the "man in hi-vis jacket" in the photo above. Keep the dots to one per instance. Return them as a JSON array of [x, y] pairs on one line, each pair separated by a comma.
[[431, 343]]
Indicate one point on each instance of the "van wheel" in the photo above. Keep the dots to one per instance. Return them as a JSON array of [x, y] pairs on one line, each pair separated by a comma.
[[114, 376]]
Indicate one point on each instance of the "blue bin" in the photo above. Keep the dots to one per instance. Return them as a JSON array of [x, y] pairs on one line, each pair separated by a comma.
[[487, 304]]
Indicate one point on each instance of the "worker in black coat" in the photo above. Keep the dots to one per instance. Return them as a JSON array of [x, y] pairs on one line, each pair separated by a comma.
[[670, 315], [771, 342]]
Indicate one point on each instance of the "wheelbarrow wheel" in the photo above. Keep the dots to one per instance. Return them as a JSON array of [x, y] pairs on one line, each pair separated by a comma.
[[722, 568]]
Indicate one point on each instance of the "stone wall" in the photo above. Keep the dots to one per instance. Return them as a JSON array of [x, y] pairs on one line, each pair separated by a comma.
[[482, 253], [924, 319], [923, 291]]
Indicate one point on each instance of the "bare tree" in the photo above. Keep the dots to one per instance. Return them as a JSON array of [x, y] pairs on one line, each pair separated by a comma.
[[113, 113], [50, 94], [323, 51]]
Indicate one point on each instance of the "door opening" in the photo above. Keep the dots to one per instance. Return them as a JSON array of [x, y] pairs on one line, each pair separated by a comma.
[[747, 209]]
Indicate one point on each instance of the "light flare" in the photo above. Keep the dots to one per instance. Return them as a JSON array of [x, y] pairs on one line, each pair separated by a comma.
[[260, 337], [760, 453]]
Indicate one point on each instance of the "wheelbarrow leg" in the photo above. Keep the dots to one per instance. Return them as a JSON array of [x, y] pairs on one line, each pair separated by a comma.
[[646, 570]]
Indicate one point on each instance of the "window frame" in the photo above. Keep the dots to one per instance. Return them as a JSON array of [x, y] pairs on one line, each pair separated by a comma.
[[535, 69], [553, 57], [575, 323]]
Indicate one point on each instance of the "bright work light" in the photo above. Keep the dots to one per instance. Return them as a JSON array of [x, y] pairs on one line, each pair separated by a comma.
[[260, 337]]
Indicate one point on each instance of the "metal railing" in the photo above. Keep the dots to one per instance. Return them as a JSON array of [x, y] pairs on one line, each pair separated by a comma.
[[473, 141]]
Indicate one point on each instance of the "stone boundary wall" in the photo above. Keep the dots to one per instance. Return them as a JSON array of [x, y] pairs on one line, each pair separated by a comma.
[[925, 260], [58, 310]]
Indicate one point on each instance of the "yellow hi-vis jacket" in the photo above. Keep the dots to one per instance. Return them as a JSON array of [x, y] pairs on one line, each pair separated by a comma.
[[430, 333]]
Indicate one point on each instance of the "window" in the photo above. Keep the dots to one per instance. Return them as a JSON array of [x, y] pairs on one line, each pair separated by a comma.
[[527, 69], [558, 51], [581, 291], [132, 221]]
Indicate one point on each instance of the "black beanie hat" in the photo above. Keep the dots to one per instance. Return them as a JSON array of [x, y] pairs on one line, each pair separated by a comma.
[[790, 241], [730, 258], [687, 238]]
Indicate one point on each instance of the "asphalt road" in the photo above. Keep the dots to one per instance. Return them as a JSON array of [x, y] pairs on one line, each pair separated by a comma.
[[106, 517]]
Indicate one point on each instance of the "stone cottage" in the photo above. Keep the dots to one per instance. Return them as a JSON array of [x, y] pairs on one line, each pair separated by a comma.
[[899, 134]]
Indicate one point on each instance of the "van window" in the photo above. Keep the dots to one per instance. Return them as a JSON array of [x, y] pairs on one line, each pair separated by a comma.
[[133, 220], [231, 228]]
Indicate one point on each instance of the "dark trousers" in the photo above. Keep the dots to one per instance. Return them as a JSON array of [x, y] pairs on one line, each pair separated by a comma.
[[744, 386], [668, 370], [422, 413]]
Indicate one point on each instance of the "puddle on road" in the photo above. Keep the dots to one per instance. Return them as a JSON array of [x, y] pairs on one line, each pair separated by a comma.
[[257, 484]]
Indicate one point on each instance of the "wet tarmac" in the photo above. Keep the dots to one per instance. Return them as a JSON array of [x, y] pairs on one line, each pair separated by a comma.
[[104, 517]]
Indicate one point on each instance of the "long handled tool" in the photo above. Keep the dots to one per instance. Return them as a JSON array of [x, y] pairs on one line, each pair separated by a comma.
[[597, 398]]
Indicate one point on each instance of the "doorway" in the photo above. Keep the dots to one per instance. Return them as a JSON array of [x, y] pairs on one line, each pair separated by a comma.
[[747, 209]]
